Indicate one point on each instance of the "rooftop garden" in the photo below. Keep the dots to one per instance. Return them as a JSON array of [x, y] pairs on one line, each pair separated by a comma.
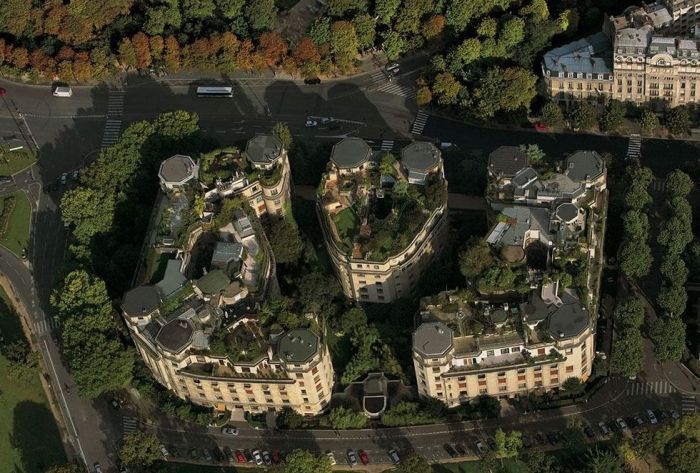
[[241, 344], [222, 163], [383, 212]]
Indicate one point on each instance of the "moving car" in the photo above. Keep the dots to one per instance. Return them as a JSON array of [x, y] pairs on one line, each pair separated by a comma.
[[229, 430], [652, 417], [394, 455], [393, 68], [364, 458], [331, 457], [352, 458], [257, 457]]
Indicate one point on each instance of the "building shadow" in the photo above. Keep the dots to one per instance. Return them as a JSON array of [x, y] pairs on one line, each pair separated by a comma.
[[36, 437]]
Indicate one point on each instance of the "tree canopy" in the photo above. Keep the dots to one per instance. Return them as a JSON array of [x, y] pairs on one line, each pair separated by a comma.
[[140, 449]]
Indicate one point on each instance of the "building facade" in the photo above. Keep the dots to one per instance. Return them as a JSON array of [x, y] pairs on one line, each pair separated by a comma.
[[355, 186], [644, 56]]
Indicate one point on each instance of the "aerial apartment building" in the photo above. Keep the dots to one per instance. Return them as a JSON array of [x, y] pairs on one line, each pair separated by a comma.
[[647, 55], [526, 323], [384, 220], [198, 326]]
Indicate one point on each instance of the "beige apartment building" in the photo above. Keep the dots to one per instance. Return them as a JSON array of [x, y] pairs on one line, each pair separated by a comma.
[[538, 344], [643, 56], [379, 251], [197, 329]]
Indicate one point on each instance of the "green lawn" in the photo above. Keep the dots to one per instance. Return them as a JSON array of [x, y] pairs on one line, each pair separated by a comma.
[[29, 438], [345, 222], [12, 162], [17, 237]]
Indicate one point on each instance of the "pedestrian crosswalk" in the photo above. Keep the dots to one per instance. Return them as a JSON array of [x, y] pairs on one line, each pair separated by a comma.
[[689, 405], [397, 89], [640, 388], [419, 123], [387, 145], [44, 326], [129, 424], [377, 77], [658, 185], [634, 147], [113, 126]]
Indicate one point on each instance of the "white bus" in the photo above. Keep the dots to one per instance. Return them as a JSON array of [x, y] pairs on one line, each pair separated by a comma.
[[215, 91]]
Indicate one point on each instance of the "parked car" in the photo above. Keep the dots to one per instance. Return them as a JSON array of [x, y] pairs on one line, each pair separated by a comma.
[[652, 418], [248, 456], [3, 92], [276, 459], [539, 438], [638, 422], [461, 449], [492, 444], [229, 430], [98, 468], [164, 451], [364, 458], [5, 179], [540, 127], [229, 454], [450, 450], [553, 438], [621, 424], [206, 455], [331, 457], [352, 457], [267, 458], [589, 432], [240, 457], [479, 447], [64, 178], [675, 414], [311, 123], [312, 81], [257, 457], [194, 454], [394, 455], [218, 454]]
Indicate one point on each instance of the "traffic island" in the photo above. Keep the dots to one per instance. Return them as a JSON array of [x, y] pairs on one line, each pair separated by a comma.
[[15, 219]]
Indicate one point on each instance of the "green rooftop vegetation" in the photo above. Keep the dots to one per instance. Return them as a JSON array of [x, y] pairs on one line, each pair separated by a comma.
[[240, 345], [176, 300]]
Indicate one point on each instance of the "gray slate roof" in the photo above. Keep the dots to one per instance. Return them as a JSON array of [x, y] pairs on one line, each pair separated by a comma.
[[263, 149], [420, 156], [226, 251], [141, 300], [587, 55], [567, 211], [297, 346], [432, 339], [177, 168], [350, 153], [173, 280], [570, 318], [507, 160], [584, 165], [175, 335]]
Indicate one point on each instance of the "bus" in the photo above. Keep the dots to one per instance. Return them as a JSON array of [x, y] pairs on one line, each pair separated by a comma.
[[215, 91]]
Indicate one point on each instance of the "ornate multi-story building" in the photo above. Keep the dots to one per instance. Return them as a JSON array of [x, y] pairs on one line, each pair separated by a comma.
[[384, 220], [197, 327], [522, 324], [647, 55]]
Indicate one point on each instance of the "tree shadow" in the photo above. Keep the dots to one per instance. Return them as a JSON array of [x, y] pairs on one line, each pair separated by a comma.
[[36, 437]]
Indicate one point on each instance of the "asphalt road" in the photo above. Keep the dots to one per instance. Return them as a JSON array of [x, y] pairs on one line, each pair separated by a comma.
[[70, 132]]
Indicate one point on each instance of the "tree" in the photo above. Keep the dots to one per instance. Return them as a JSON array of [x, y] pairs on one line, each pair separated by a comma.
[[433, 27], [683, 456], [603, 461], [629, 314], [672, 299], [394, 44], [635, 224], [88, 211], [171, 57], [285, 240], [612, 116], [464, 54], [668, 335], [488, 406], [340, 8], [303, 461], [140, 449], [677, 120], [344, 44], [127, 53], [504, 90], [142, 50], [534, 153], [317, 292], [387, 164], [406, 413], [271, 48], [261, 14], [678, 183], [460, 12], [488, 27], [508, 445], [635, 258], [85, 296], [14, 16], [229, 9], [674, 270], [627, 355], [423, 96], [386, 10], [288, 418], [446, 88], [281, 131], [475, 258], [676, 231], [582, 116], [197, 9], [344, 418], [353, 321], [366, 29], [573, 386], [649, 121], [552, 114], [307, 57], [413, 464], [67, 468]]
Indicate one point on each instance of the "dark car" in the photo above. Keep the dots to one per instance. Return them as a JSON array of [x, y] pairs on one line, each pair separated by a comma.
[[588, 431], [539, 438], [461, 449], [312, 81], [218, 454], [276, 457], [527, 442], [492, 444], [450, 451], [553, 438], [248, 456], [229, 454], [3, 92], [194, 453]]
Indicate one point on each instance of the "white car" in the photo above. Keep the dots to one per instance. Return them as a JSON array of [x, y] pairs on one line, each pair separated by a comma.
[[621, 424], [652, 417], [311, 123], [64, 178], [480, 447], [257, 457], [331, 458], [164, 451], [603, 428], [98, 468], [394, 455], [352, 458], [229, 430]]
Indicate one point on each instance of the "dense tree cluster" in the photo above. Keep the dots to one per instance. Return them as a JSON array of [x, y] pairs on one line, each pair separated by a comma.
[[345, 418], [140, 449], [635, 253], [627, 355], [98, 360], [668, 330]]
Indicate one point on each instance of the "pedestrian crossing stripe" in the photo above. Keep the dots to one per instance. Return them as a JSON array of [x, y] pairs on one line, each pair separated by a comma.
[[387, 145], [45, 326], [654, 387], [397, 89], [419, 123], [688, 405], [129, 424]]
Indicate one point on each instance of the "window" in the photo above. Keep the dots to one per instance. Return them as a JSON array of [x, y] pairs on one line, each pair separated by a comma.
[[482, 376], [489, 353], [522, 386], [569, 369], [503, 388], [482, 383], [502, 373], [436, 369], [505, 351], [521, 371], [521, 378], [540, 351], [277, 201]]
